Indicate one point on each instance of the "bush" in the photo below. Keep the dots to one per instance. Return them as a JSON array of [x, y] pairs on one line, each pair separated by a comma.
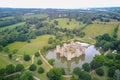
[[117, 57], [19, 67], [37, 54], [110, 56], [40, 70], [10, 69], [111, 71], [39, 62], [99, 71], [51, 61], [26, 57], [86, 67], [76, 71], [32, 67]]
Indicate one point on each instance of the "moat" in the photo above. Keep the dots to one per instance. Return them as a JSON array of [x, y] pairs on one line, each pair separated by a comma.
[[69, 65]]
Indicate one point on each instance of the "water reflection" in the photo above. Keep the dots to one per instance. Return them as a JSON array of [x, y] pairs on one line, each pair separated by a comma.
[[90, 52]]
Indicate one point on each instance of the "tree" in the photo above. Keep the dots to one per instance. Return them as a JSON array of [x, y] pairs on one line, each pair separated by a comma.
[[55, 74], [26, 57], [10, 56], [15, 51], [37, 54], [2, 71], [40, 70], [1, 48], [39, 62], [76, 71], [6, 49], [99, 71], [110, 56], [50, 40], [111, 71], [10, 69], [97, 62], [86, 67], [117, 74], [55, 22], [74, 77], [19, 67], [117, 57], [85, 76], [51, 61], [32, 67], [27, 75]]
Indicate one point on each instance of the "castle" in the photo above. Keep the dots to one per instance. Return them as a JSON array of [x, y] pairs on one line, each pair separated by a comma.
[[71, 50]]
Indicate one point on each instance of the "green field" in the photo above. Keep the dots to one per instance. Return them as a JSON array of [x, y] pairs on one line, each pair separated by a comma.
[[119, 32], [62, 23], [30, 48], [12, 26], [95, 29], [35, 16]]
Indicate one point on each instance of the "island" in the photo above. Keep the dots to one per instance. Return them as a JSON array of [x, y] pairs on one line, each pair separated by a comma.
[[71, 50]]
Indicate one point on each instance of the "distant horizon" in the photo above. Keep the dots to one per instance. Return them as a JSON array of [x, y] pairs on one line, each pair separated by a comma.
[[60, 8], [59, 4]]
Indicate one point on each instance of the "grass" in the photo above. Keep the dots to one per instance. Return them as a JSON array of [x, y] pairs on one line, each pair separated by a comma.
[[35, 16], [119, 32], [46, 69], [4, 60], [86, 40], [30, 48], [12, 26], [62, 23], [95, 29], [93, 74]]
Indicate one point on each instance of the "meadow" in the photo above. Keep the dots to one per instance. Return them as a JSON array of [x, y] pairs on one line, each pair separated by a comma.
[[62, 23], [32, 47], [96, 29], [12, 26]]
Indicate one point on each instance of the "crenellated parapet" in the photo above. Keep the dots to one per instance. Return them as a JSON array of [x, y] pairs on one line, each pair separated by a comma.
[[71, 50]]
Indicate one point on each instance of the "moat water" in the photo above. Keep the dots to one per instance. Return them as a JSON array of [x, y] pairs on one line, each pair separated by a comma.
[[90, 53]]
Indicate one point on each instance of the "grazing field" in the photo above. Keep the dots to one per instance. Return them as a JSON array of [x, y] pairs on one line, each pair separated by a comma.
[[62, 23], [35, 16], [12, 26], [95, 29], [32, 47]]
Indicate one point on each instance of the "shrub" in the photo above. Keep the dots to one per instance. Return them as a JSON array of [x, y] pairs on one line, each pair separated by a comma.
[[99, 71], [26, 57], [32, 67], [37, 54], [40, 70], [86, 67], [51, 61], [39, 62]]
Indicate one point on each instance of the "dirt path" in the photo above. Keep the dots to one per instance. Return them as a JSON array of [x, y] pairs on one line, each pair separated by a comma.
[[45, 60], [107, 52], [33, 57]]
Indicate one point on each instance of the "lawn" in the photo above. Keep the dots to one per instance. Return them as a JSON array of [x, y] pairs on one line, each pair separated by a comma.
[[35, 16], [95, 29], [12, 26], [62, 23], [30, 48]]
